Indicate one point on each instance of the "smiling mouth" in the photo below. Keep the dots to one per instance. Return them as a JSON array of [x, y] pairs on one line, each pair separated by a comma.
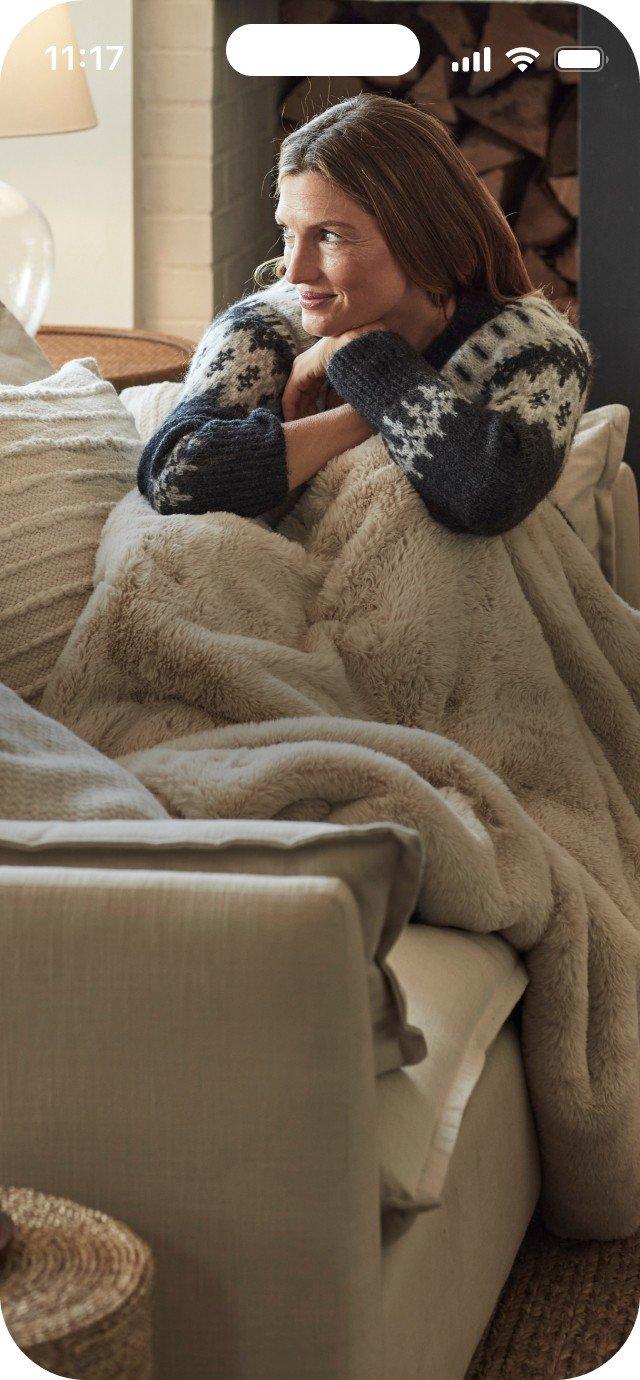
[[314, 298]]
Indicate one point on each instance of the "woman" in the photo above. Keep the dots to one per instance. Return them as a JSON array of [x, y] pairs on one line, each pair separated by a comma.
[[402, 291]]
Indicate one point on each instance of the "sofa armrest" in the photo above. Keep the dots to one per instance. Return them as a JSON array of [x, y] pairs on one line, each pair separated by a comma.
[[173, 1055]]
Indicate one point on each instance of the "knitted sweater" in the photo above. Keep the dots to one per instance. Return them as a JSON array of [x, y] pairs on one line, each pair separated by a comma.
[[481, 422]]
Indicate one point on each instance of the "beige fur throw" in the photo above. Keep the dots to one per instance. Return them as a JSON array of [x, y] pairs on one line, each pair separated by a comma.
[[364, 663]]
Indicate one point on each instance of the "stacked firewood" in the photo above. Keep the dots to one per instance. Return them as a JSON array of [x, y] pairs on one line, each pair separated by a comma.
[[518, 128]]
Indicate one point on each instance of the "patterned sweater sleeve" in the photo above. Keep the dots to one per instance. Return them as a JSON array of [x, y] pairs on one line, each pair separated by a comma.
[[222, 447], [480, 466]]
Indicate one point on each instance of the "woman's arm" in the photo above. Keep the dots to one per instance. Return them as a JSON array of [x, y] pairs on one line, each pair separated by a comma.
[[202, 460], [246, 466], [312, 441], [479, 467], [224, 445]]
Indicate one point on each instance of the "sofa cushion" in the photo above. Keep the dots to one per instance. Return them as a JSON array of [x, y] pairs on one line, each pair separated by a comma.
[[583, 490], [47, 772], [21, 359], [460, 989], [626, 520], [68, 453], [459, 1257], [150, 403], [381, 864]]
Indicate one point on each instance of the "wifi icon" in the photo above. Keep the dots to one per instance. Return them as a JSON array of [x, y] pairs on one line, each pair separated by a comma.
[[522, 57]]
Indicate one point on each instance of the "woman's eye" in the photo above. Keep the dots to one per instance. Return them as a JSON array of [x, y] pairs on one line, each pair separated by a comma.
[[287, 235]]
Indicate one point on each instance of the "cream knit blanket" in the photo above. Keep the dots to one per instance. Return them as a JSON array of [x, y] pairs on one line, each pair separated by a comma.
[[364, 663]]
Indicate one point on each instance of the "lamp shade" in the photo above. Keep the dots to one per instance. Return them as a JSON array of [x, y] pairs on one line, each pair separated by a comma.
[[35, 99]]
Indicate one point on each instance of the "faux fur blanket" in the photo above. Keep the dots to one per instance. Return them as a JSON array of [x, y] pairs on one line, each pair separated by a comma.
[[364, 663]]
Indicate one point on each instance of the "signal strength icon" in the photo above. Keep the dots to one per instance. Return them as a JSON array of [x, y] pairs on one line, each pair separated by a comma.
[[465, 63], [522, 57]]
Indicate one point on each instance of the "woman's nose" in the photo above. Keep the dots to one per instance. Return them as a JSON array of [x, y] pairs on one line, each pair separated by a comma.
[[303, 264]]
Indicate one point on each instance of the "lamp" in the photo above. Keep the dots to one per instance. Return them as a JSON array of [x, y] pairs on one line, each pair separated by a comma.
[[36, 99]]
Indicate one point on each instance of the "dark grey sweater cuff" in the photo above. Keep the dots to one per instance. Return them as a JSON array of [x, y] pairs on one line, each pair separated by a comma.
[[235, 465], [375, 371]]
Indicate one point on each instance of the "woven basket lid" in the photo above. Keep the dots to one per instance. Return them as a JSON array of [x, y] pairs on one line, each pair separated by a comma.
[[73, 1278], [125, 357]]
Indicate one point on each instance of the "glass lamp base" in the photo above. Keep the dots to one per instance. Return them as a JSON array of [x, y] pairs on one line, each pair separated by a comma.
[[26, 258]]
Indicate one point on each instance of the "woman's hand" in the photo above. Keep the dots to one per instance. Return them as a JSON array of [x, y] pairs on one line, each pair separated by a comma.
[[309, 371]]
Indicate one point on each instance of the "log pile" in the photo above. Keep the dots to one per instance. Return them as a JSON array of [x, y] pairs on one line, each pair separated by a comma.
[[517, 128]]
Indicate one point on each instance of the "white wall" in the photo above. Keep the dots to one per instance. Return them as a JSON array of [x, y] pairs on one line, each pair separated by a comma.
[[84, 184], [203, 143]]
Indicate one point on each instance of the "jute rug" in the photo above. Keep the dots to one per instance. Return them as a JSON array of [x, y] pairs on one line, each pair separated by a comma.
[[566, 1308]]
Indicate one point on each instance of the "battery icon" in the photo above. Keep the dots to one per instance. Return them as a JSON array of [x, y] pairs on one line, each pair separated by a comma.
[[579, 59]]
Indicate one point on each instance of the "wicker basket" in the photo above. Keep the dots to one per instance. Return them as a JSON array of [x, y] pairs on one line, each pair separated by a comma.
[[125, 357], [75, 1289]]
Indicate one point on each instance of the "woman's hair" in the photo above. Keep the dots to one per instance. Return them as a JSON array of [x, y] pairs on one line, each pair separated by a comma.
[[402, 166]]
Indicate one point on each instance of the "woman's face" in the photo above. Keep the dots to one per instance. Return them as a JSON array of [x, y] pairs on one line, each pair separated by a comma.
[[335, 249]]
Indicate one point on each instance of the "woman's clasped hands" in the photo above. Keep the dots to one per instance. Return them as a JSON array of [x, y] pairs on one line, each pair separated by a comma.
[[309, 371]]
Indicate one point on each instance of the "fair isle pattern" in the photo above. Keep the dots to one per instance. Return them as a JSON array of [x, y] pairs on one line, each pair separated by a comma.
[[222, 446], [501, 379], [529, 345], [247, 352], [483, 439]]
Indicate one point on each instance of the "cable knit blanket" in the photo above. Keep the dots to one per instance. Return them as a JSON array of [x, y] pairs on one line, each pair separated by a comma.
[[362, 662]]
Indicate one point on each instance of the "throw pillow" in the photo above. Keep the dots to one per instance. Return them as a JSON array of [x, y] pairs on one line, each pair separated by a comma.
[[21, 359], [47, 772], [68, 452], [149, 404], [583, 490]]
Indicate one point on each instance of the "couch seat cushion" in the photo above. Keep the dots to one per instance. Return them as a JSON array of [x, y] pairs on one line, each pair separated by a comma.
[[460, 989]]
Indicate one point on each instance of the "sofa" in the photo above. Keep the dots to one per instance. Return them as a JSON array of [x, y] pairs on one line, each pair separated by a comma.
[[232, 1035]]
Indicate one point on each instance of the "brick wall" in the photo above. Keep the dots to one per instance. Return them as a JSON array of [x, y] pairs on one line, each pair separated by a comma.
[[202, 146]]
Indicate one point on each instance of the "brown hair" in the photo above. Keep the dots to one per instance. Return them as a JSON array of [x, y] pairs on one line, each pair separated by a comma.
[[402, 166]]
